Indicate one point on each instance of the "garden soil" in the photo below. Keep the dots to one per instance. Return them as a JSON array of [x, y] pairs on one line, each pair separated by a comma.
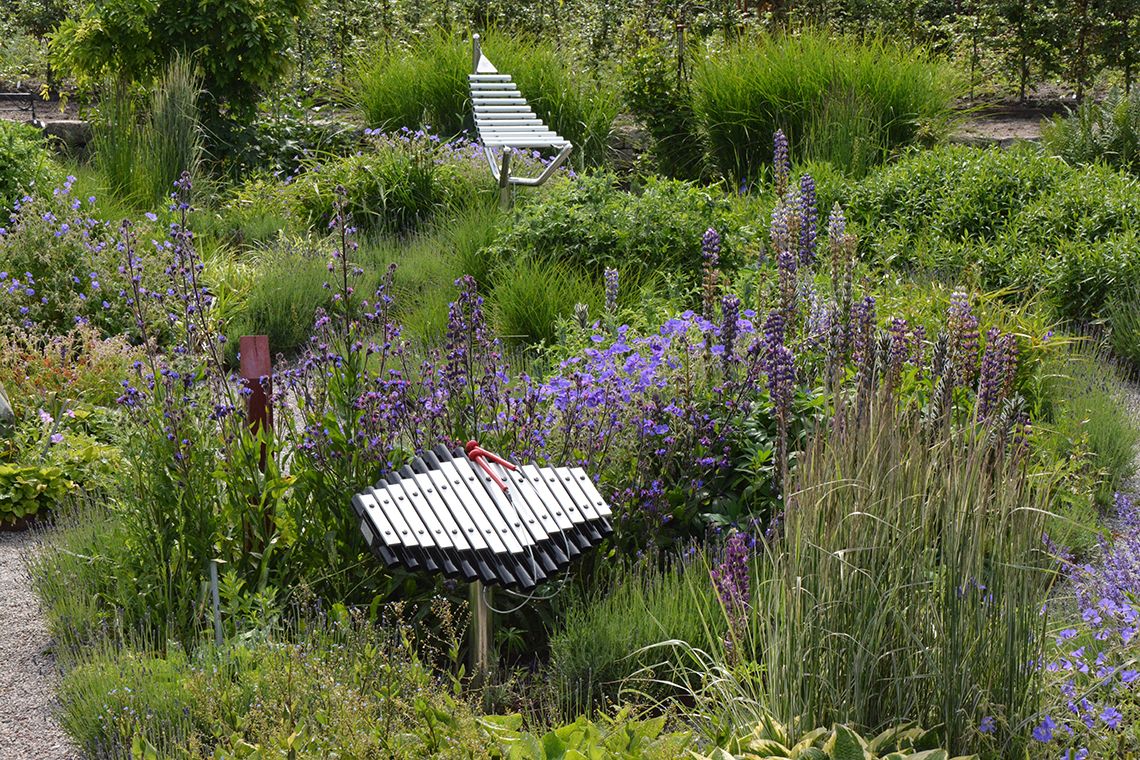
[[29, 726]]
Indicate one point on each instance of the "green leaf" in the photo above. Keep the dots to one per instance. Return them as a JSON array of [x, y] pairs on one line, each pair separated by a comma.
[[845, 744]]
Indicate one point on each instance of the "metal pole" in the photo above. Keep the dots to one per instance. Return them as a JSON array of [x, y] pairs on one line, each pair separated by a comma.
[[482, 634], [505, 181], [476, 53], [216, 602]]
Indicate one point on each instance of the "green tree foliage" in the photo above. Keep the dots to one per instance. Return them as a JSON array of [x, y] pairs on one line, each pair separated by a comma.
[[240, 45]]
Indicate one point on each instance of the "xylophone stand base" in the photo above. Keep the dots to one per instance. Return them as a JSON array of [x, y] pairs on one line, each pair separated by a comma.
[[482, 635]]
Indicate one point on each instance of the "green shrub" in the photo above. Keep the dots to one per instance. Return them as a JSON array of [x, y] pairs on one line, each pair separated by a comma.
[[1108, 132], [954, 191], [427, 86], [26, 490], [836, 98], [1014, 220], [1087, 398], [1123, 317], [653, 92], [240, 46], [321, 687], [606, 643], [254, 213], [394, 186], [591, 224], [25, 165]]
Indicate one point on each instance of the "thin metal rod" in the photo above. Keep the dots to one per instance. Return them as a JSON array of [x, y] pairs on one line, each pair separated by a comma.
[[216, 602], [482, 634], [505, 181], [476, 53]]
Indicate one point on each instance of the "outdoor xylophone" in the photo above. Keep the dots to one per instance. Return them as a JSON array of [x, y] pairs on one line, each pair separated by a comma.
[[474, 516]]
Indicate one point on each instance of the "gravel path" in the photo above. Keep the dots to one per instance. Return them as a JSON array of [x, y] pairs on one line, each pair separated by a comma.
[[28, 676]]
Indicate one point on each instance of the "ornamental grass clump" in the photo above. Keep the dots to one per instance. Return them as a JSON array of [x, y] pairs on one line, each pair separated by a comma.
[[906, 584]]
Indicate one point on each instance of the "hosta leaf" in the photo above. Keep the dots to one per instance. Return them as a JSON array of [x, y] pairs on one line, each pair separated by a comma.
[[769, 748], [888, 740], [930, 754], [810, 753], [810, 739], [845, 744]]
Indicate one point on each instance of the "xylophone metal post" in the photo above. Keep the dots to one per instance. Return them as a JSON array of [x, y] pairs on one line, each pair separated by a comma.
[[482, 635]]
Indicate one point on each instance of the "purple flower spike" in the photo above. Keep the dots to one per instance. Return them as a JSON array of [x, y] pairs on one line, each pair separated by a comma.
[[809, 219], [781, 164], [611, 277]]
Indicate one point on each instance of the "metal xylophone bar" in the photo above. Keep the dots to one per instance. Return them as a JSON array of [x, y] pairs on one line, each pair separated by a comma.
[[472, 516]]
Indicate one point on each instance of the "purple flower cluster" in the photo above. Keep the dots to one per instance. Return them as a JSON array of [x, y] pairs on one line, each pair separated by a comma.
[[730, 577], [962, 328], [999, 369], [1094, 669]]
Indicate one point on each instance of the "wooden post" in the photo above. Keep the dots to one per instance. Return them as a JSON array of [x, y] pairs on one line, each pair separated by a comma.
[[256, 372], [482, 635]]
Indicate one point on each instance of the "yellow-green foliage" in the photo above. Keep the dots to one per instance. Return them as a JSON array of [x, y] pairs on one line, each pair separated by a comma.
[[27, 489]]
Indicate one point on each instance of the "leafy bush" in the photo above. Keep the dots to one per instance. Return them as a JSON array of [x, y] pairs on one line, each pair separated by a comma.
[[1014, 220], [654, 93], [955, 191], [591, 224], [25, 164], [426, 85], [240, 46], [254, 213], [836, 98], [1106, 131], [1123, 317], [26, 490], [321, 687], [393, 187]]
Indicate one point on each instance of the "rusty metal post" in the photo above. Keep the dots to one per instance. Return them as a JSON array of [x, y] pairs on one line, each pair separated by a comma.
[[256, 372]]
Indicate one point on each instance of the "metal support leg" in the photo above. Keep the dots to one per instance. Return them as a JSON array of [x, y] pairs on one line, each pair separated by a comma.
[[505, 181], [482, 635]]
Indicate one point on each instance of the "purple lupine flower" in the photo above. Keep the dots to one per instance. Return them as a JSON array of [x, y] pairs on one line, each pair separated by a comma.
[[730, 576], [710, 247], [781, 380], [611, 277], [862, 328], [781, 163], [899, 333], [809, 220], [730, 327], [962, 327], [989, 379]]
